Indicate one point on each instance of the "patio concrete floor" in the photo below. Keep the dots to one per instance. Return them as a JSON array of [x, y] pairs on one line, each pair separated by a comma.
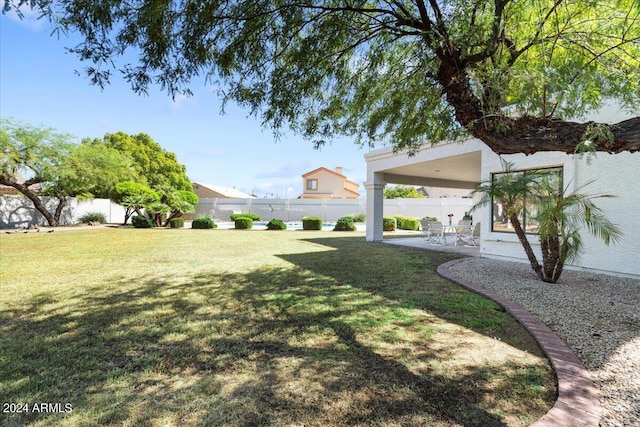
[[423, 243]]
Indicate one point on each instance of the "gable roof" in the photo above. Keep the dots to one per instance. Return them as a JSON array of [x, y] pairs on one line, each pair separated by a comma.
[[225, 191], [323, 169]]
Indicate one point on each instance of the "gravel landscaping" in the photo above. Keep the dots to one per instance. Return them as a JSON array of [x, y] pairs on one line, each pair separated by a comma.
[[596, 315]]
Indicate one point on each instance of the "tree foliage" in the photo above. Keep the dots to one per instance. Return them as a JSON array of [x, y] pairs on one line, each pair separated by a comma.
[[511, 73], [133, 196], [159, 172], [402, 191], [40, 161], [156, 167]]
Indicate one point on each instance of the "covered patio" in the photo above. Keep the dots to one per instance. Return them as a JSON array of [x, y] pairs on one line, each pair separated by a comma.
[[450, 165]]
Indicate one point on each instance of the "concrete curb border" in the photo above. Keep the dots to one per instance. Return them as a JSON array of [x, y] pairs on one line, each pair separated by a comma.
[[577, 403]]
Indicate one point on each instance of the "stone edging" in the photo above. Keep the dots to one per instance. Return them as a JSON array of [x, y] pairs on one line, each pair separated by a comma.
[[577, 403]]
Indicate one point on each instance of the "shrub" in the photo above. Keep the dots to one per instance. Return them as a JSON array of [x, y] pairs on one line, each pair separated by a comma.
[[140, 221], [345, 224], [411, 224], [254, 217], [93, 217], [203, 222], [176, 223], [389, 223], [311, 223], [399, 219], [276, 224], [359, 217], [430, 218], [243, 223]]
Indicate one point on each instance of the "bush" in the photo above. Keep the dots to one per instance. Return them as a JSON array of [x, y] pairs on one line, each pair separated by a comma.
[[243, 223], [176, 223], [399, 220], [345, 224], [140, 221], [276, 224], [358, 217], [311, 223], [430, 218], [412, 224], [254, 217], [93, 217], [389, 223], [203, 222]]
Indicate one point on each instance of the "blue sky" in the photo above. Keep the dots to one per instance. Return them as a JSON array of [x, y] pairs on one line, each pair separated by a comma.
[[39, 86]]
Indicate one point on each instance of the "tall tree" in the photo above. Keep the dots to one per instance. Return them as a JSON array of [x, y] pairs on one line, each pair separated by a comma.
[[40, 161], [156, 167], [511, 73]]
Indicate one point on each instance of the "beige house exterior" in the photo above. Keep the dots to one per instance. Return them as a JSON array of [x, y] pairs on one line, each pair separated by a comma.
[[323, 183]]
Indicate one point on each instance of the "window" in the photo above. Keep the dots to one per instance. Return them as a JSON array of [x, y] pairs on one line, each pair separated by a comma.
[[501, 223], [312, 184]]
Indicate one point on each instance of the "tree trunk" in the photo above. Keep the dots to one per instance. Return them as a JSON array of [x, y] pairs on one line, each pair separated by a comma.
[[173, 214], [522, 236], [551, 260], [127, 214], [62, 202], [37, 203], [529, 135]]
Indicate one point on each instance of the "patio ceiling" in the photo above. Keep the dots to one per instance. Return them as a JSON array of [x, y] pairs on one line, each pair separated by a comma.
[[432, 167]]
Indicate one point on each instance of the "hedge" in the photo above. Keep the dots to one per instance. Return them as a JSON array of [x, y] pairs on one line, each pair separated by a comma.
[[254, 217], [140, 221], [345, 224], [411, 224], [243, 223], [311, 223], [276, 224], [389, 223], [203, 222], [176, 222]]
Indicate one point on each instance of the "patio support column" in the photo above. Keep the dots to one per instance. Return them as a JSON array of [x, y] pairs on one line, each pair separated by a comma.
[[375, 203]]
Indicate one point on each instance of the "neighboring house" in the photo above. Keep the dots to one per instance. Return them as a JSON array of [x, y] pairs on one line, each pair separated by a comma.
[[208, 191], [323, 183], [7, 190], [464, 166]]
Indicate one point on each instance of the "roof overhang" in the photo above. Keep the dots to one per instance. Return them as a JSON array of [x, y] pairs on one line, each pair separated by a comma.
[[451, 165]]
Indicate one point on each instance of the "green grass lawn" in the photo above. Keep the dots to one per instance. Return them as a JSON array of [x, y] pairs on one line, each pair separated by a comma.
[[185, 327]]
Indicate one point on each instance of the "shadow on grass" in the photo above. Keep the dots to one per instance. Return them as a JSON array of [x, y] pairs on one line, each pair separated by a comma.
[[272, 346]]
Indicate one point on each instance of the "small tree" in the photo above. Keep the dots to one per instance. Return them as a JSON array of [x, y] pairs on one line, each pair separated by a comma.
[[133, 196], [402, 191], [559, 217]]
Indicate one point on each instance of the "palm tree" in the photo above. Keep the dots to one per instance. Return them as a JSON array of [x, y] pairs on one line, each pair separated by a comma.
[[559, 216]]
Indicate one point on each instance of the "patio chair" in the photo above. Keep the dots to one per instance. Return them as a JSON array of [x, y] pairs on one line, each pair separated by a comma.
[[472, 239], [436, 233], [424, 226]]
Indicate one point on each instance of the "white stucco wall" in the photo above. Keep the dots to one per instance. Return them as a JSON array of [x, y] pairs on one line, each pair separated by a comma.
[[617, 174]]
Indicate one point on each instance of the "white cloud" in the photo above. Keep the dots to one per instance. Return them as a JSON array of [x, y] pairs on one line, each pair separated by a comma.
[[30, 18]]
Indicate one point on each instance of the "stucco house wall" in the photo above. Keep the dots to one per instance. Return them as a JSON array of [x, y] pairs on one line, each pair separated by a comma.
[[330, 185], [615, 174]]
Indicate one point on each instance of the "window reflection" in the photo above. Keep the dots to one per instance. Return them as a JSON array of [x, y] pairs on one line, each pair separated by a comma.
[[526, 208]]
